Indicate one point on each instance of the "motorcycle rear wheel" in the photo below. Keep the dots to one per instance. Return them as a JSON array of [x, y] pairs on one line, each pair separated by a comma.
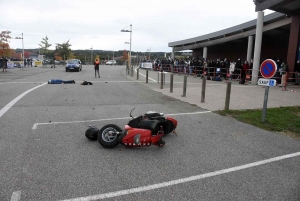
[[106, 139]]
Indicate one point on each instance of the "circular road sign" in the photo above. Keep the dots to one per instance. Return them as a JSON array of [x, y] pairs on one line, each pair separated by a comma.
[[268, 68]]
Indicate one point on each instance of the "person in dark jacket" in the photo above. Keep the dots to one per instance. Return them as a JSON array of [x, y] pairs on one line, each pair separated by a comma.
[[96, 67], [244, 72], [4, 64]]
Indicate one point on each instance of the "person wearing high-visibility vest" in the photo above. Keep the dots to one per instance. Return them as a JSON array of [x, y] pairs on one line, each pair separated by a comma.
[[96, 67]]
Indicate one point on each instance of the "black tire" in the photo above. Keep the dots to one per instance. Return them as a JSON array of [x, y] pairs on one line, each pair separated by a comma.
[[66, 70], [108, 141], [168, 127], [91, 133]]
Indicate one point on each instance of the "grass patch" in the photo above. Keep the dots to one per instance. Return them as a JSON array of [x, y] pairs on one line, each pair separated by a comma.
[[285, 120]]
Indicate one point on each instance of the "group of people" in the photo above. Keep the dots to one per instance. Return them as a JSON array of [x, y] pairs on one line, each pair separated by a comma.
[[223, 68], [219, 68], [4, 60], [28, 62]]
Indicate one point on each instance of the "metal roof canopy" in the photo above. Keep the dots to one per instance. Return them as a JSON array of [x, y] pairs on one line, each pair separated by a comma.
[[288, 7], [250, 25]]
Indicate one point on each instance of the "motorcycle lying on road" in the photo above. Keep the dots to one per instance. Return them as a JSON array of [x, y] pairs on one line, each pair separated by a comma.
[[144, 130]]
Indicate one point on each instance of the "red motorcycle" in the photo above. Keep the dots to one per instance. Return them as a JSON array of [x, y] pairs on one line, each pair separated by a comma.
[[140, 131]]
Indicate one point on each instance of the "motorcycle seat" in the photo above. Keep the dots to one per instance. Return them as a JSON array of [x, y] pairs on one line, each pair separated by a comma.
[[152, 114], [152, 125]]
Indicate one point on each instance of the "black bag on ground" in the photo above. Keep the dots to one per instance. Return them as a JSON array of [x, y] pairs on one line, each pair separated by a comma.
[[86, 83]]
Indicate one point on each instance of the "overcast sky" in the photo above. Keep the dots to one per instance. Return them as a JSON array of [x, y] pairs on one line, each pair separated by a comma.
[[98, 23]]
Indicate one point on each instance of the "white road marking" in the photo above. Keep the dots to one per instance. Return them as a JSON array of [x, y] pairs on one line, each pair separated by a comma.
[[16, 196], [11, 103], [71, 122], [183, 180], [148, 77], [22, 83], [202, 112]]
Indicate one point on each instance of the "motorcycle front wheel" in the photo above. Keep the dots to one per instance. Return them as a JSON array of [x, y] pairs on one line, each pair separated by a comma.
[[107, 136]]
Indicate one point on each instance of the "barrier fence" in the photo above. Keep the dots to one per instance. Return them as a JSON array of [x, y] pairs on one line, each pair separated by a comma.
[[214, 73]]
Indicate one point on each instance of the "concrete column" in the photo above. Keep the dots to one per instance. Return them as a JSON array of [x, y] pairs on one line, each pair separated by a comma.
[[250, 48], [173, 56], [293, 47], [257, 48], [205, 52]]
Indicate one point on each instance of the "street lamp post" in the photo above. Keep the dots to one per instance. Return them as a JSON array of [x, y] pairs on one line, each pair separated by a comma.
[[130, 47], [149, 50], [23, 56], [92, 55]]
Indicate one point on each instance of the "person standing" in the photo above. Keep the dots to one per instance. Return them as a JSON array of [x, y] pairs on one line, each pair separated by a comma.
[[244, 72], [96, 67], [28, 62], [4, 64], [284, 72], [297, 72], [53, 63]]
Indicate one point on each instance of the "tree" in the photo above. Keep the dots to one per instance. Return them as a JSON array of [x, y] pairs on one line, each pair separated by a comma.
[[125, 56], [26, 54], [4, 44], [45, 45], [64, 49]]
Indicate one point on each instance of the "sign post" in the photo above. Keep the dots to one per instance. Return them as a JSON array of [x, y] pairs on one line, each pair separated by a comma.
[[267, 69]]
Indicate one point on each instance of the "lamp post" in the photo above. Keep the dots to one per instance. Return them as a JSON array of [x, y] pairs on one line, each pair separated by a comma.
[[23, 56], [149, 50], [113, 54], [92, 55], [123, 30]]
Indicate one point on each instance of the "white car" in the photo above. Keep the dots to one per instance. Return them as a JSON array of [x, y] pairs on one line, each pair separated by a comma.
[[111, 62]]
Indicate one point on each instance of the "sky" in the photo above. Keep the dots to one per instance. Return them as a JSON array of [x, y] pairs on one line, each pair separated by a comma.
[[97, 24]]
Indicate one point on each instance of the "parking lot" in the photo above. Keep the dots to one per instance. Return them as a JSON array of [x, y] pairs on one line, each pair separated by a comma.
[[45, 155]]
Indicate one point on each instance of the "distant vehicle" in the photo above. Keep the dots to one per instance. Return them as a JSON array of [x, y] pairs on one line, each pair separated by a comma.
[[73, 64], [146, 65], [111, 62]]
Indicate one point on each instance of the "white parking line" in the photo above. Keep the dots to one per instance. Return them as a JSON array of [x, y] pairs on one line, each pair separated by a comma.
[[16, 196], [183, 180], [71, 122], [148, 77], [22, 83], [11, 103]]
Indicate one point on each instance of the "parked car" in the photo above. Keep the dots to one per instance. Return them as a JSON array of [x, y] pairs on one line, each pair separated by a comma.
[[73, 64], [111, 62]]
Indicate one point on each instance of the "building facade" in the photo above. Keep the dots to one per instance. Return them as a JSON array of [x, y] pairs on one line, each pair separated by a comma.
[[268, 37]]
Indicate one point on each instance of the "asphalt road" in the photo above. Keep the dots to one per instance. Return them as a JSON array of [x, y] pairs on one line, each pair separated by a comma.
[[45, 155]]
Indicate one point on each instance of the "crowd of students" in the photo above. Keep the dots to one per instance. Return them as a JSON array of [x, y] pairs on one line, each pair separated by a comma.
[[222, 68], [212, 68]]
